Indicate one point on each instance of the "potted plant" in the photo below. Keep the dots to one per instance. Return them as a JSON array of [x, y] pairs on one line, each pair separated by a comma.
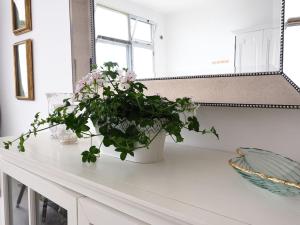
[[126, 119]]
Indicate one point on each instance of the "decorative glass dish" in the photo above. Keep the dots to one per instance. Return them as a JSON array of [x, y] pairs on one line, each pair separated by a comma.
[[268, 170]]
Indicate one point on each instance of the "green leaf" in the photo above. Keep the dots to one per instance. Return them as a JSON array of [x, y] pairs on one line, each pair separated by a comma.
[[107, 141], [84, 158], [214, 131], [193, 123], [94, 66], [94, 150], [123, 156], [7, 144], [93, 159]]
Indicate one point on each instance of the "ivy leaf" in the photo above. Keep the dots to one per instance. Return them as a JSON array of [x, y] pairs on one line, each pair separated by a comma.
[[7, 144], [21, 144], [214, 131], [193, 124], [123, 156], [94, 150], [91, 155], [107, 141]]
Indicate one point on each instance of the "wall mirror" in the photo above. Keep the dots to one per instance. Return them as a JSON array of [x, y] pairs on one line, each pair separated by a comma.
[[220, 53], [186, 38], [23, 67], [21, 16]]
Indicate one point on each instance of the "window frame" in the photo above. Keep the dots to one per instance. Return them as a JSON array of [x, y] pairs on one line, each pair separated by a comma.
[[131, 43]]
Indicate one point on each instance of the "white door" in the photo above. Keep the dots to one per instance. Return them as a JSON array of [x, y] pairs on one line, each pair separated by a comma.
[[249, 52], [271, 50]]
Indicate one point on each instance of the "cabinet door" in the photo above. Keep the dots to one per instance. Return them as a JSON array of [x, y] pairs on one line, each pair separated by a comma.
[[94, 213], [32, 200]]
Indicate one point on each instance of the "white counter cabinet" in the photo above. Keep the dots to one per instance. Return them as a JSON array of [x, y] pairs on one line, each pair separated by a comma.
[[191, 186]]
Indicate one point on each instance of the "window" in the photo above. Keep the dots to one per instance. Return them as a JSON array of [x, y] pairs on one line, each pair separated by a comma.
[[125, 39]]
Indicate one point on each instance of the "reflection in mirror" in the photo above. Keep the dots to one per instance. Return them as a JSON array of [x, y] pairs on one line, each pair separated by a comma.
[[21, 14], [292, 41], [179, 38], [23, 70]]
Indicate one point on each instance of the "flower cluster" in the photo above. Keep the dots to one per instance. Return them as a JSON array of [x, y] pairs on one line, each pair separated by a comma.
[[125, 78], [96, 78], [92, 78]]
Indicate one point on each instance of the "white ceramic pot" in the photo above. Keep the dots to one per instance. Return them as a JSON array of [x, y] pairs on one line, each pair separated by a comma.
[[154, 153]]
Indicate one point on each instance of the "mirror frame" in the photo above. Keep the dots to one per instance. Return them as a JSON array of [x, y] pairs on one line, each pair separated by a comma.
[[29, 61], [232, 75], [28, 20]]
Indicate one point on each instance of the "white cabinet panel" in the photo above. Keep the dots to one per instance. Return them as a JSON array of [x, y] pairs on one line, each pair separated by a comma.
[[94, 213]]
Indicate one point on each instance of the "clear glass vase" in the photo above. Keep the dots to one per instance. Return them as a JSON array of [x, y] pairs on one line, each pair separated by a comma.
[[59, 132]]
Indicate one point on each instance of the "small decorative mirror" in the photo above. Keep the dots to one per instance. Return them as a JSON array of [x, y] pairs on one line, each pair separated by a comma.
[[23, 70], [21, 16]]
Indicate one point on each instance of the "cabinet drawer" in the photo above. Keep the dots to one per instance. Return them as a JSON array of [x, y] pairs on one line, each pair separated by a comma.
[[94, 213]]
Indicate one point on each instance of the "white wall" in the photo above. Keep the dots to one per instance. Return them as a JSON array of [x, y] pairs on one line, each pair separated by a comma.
[[196, 37], [51, 61], [276, 130]]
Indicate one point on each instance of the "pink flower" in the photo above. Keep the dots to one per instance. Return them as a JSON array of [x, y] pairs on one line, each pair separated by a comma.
[[95, 76], [79, 87]]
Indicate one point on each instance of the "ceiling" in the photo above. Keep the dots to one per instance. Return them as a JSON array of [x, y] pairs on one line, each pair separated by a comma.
[[167, 6]]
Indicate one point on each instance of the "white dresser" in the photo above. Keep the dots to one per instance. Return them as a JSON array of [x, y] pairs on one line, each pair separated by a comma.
[[191, 186]]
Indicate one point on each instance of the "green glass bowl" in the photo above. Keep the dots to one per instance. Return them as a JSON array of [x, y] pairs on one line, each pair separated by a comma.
[[268, 170]]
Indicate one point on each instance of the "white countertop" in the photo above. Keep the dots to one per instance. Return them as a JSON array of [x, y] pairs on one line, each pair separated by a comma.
[[192, 184]]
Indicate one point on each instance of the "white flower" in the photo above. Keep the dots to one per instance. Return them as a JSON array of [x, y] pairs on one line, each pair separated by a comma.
[[121, 73], [100, 82], [126, 76], [124, 86], [122, 79], [131, 76]]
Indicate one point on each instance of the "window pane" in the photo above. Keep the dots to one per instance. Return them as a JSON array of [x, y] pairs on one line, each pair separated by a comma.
[[141, 31], [111, 23], [106, 52], [18, 202], [143, 62], [49, 213]]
